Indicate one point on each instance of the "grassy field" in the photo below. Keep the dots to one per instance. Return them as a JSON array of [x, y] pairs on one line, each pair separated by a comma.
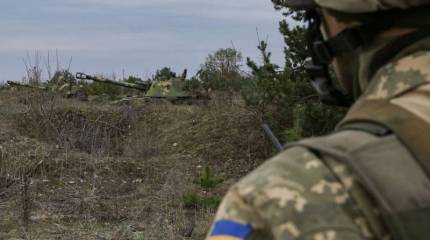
[[136, 170]]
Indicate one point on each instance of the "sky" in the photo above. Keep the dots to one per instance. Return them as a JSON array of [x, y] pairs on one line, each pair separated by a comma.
[[136, 37]]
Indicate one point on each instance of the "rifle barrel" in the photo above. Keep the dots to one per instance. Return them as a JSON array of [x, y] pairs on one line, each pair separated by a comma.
[[275, 141]]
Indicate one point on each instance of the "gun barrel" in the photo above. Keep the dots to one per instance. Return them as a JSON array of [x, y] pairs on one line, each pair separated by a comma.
[[17, 84], [11, 83], [141, 87], [272, 137]]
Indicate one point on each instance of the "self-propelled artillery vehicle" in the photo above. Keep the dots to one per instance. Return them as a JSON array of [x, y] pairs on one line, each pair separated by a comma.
[[175, 90]]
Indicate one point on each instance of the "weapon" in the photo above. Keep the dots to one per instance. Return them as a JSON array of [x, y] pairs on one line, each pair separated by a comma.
[[142, 87], [272, 137], [23, 85], [174, 90]]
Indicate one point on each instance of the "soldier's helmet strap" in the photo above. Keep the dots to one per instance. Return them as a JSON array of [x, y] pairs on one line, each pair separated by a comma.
[[323, 51], [346, 41]]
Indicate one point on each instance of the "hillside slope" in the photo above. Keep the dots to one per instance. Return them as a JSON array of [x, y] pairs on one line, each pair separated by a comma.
[[87, 170]]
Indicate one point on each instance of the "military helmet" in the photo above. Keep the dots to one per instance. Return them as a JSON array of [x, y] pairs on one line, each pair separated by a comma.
[[356, 6], [374, 16]]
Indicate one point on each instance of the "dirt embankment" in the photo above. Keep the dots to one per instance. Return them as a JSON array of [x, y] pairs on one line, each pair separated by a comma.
[[85, 170]]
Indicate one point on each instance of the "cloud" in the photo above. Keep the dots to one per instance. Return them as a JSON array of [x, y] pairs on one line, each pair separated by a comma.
[[138, 35], [171, 3], [250, 10], [87, 42]]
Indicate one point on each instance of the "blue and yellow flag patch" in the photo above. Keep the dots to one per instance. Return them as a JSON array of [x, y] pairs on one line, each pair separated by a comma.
[[229, 230]]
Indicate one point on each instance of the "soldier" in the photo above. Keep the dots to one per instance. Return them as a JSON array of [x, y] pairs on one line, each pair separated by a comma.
[[370, 178]]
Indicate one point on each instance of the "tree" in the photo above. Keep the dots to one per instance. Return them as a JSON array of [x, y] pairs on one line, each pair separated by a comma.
[[221, 70], [285, 98], [135, 80], [263, 87], [164, 74]]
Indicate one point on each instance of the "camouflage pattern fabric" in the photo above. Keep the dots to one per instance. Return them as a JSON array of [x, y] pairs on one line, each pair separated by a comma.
[[398, 77], [417, 102], [168, 88], [298, 195], [295, 196]]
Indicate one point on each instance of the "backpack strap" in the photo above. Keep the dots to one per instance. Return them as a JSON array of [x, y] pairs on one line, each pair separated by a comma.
[[411, 130], [389, 173]]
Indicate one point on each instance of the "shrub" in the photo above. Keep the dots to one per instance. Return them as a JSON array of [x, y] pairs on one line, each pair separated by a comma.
[[284, 97], [221, 71], [164, 74], [98, 89], [135, 80], [208, 180], [193, 200]]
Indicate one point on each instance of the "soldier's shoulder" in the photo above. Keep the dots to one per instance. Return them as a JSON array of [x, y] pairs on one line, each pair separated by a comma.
[[400, 76], [296, 163], [297, 188], [291, 157]]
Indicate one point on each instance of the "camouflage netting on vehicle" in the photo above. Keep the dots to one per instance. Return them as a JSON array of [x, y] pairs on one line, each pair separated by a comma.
[[168, 89]]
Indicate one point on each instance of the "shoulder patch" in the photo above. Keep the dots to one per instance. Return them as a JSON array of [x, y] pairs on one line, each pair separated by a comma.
[[230, 230]]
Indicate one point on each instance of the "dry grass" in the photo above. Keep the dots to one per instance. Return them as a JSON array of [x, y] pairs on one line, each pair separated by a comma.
[[76, 170]]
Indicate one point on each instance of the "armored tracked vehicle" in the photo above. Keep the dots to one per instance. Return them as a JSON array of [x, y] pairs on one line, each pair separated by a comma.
[[174, 90]]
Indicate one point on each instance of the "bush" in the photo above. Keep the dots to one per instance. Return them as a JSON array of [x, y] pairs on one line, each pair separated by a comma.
[[134, 80], [221, 71], [208, 180], [194, 201], [193, 85], [164, 74], [74, 127], [285, 98], [99, 89]]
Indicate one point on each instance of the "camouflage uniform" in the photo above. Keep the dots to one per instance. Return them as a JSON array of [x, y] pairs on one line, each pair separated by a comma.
[[301, 194]]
